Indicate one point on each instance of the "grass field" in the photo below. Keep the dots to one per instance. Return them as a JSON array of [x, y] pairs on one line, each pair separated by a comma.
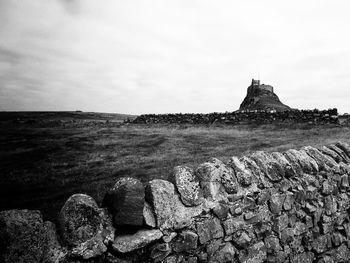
[[42, 165]]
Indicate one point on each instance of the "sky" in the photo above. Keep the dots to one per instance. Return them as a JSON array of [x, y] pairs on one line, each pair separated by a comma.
[[166, 56]]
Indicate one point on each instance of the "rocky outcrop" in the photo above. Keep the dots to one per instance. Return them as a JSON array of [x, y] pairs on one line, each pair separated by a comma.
[[262, 97], [265, 207]]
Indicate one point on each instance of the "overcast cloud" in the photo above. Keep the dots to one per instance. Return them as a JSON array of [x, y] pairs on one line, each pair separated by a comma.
[[171, 56]]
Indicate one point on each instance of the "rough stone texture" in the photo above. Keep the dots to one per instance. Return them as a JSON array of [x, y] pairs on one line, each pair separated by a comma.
[[169, 210], [22, 236], [188, 186], [148, 215], [292, 207], [126, 201], [216, 180], [128, 243], [53, 252], [85, 227], [209, 229]]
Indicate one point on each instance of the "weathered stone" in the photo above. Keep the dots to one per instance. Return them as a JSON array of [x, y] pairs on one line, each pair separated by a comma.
[[289, 170], [241, 239], [221, 210], [287, 235], [272, 244], [188, 186], [307, 257], [185, 241], [330, 205], [344, 147], [323, 161], [22, 236], [276, 202], [224, 254], [319, 245], [212, 246], [126, 201], [344, 157], [268, 164], [216, 179], [337, 239], [169, 236], [244, 176], [344, 181], [307, 163], [160, 251], [281, 223], [53, 252], [208, 229], [332, 154], [85, 227], [128, 243], [288, 201], [148, 215], [257, 173], [234, 224], [299, 228], [254, 254], [169, 210], [341, 254], [327, 187]]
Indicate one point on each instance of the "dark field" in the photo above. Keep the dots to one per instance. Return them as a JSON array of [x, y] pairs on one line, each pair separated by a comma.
[[46, 157]]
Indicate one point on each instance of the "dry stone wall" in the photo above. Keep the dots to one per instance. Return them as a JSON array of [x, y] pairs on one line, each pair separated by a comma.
[[239, 117], [265, 207]]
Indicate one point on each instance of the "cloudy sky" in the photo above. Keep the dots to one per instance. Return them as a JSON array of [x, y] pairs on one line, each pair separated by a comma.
[[170, 55]]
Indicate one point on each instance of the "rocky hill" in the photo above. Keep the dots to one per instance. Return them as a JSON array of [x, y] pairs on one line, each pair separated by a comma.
[[262, 97]]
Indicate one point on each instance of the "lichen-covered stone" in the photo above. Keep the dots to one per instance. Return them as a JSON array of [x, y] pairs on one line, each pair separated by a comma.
[[85, 227], [344, 157], [306, 163], [323, 161], [128, 243], [188, 186], [209, 229], [332, 154], [257, 173], [276, 202], [268, 164], [169, 210], [289, 170], [243, 175], [22, 236], [216, 180], [126, 201]]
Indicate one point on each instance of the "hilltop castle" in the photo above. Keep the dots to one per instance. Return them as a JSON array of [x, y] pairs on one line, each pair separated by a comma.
[[262, 97]]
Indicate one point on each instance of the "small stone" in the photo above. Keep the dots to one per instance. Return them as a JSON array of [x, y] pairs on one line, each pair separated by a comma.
[[275, 203], [320, 244], [221, 211], [185, 241], [272, 244], [330, 205], [169, 237], [126, 201], [234, 224], [224, 254], [160, 251], [281, 223], [299, 228], [188, 186], [148, 215], [288, 202], [307, 257], [241, 239], [254, 254], [341, 254], [128, 243], [327, 188], [208, 229], [344, 181], [244, 176]]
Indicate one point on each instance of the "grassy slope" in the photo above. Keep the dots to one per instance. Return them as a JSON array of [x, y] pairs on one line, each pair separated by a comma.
[[42, 166]]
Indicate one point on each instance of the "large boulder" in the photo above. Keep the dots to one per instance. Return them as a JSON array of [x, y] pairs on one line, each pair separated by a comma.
[[170, 212], [22, 236], [126, 201], [128, 243], [188, 186], [84, 227]]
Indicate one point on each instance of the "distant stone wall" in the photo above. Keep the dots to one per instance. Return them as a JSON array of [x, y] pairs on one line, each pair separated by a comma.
[[232, 118], [265, 207]]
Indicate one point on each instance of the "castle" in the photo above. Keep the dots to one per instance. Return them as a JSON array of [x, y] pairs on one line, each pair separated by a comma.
[[256, 84]]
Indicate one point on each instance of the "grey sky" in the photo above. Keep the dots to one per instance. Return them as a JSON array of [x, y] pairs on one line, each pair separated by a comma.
[[171, 56]]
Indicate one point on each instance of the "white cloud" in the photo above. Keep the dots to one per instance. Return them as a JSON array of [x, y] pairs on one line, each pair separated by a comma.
[[171, 56]]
